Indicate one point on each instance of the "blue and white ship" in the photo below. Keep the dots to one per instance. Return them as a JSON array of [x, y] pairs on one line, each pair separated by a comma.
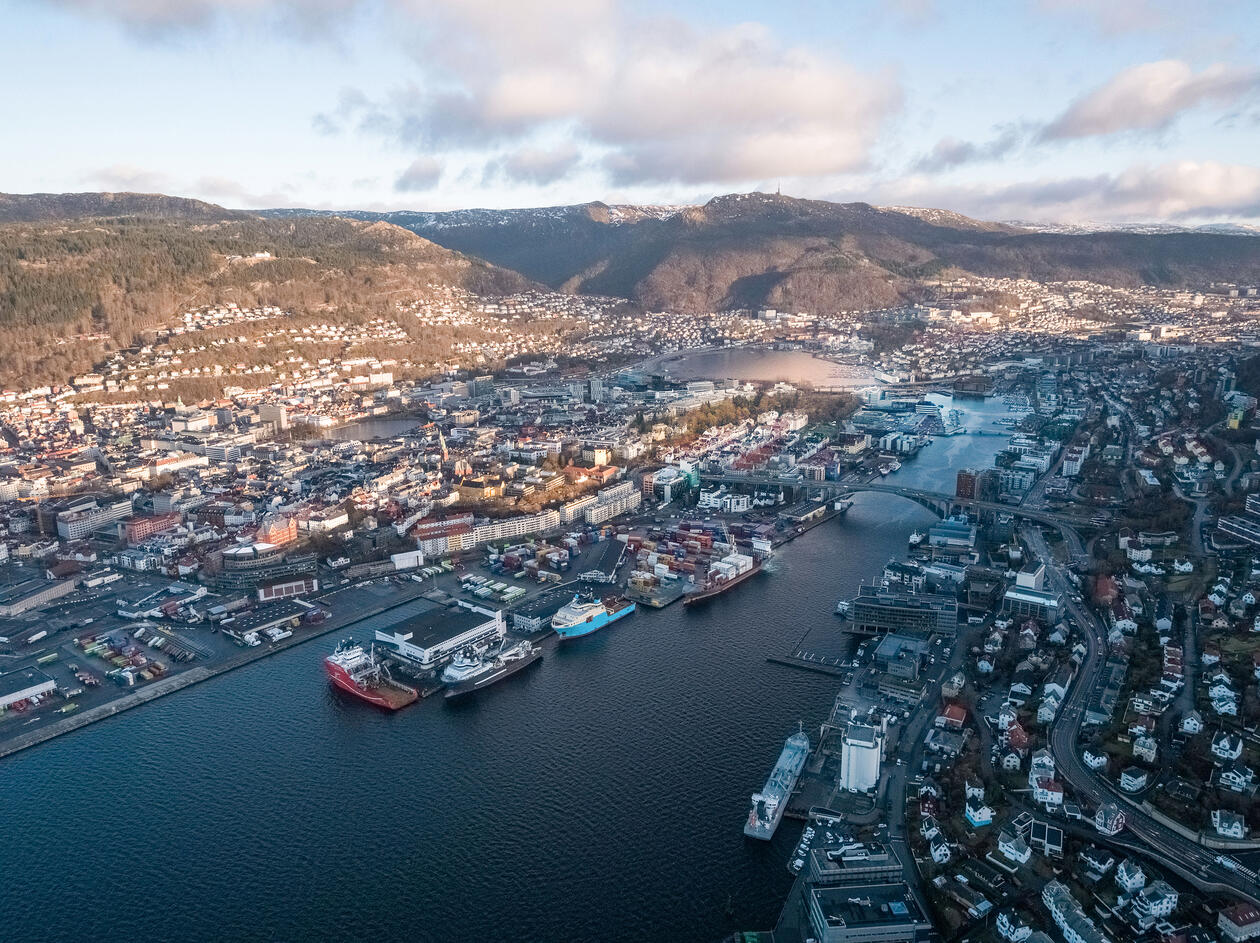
[[584, 616], [769, 804]]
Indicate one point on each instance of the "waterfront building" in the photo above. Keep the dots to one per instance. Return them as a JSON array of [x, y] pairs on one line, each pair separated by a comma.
[[867, 913], [876, 611], [438, 633], [860, 758]]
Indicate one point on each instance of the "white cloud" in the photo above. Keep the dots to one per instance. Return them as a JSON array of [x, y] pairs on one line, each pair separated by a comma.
[[1181, 190], [126, 177], [653, 100], [660, 101], [1150, 96]]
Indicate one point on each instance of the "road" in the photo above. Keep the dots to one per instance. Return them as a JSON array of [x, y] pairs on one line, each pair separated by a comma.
[[1193, 861]]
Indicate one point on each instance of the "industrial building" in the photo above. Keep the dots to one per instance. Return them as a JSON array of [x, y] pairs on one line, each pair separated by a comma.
[[20, 686], [437, 632], [860, 757], [31, 594]]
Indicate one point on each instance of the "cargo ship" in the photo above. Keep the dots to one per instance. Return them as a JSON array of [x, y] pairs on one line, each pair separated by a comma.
[[584, 616], [726, 574], [471, 672], [769, 804], [360, 672]]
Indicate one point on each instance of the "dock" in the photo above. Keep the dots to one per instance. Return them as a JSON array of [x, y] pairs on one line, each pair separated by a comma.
[[659, 597], [821, 667]]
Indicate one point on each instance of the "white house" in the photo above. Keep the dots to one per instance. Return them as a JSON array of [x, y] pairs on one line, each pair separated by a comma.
[[1226, 745], [1012, 927], [1110, 819], [1145, 748], [1237, 777], [978, 814], [1013, 847], [1041, 767], [1133, 779], [1192, 723], [1154, 902], [1130, 877], [1048, 792], [1229, 824]]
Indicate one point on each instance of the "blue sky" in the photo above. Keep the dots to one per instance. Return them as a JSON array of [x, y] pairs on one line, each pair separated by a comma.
[[1072, 110]]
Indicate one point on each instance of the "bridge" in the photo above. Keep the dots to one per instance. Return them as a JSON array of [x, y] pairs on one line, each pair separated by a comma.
[[939, 503]]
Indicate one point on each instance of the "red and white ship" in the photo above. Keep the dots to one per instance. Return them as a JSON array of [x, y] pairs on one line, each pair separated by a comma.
[[360, 672]]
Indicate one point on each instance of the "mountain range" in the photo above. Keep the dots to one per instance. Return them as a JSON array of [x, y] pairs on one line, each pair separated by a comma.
[[760, 249], [116, 264]]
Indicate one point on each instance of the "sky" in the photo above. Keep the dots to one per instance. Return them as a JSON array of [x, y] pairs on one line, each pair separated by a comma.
[[1086, 111]]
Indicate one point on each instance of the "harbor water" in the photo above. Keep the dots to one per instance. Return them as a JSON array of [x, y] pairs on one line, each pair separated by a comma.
[[600, 796]]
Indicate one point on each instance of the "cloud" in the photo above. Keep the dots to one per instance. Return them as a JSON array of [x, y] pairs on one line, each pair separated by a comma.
[[538, 166], [159, 18], [1179, 190], [650, 99], [1149, 97], [129, 178], [422, 173], [659, 101], [950, 152], [1114, 17]]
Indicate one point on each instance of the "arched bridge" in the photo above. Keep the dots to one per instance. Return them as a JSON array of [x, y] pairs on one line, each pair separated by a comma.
[[937, 502]]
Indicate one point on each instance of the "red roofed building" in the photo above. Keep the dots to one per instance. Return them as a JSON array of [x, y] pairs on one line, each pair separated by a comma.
[[953, 716], [1017, 738], [1239, 922]]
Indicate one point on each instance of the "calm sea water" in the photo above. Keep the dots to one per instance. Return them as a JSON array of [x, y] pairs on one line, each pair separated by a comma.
[[753, 363], [600, 796]]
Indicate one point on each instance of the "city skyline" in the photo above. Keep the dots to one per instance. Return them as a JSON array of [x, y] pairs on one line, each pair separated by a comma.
[[1054, 111]]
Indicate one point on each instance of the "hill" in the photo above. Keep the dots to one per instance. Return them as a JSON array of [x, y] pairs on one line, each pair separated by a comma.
[[754, 250], [72, 290], [37, 207]]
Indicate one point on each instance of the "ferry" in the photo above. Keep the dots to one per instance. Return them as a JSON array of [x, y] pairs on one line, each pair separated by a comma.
[[361, 672], [916, 539], [584, 616]]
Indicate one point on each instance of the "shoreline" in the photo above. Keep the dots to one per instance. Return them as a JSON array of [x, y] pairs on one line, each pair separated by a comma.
[[177, 682]]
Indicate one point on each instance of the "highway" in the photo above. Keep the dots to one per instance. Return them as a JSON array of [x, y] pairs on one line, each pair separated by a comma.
[[1193, 861]]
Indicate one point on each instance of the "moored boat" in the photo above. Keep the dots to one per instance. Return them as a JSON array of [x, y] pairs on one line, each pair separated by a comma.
[[361, 672], [584, 616], [465, 675]]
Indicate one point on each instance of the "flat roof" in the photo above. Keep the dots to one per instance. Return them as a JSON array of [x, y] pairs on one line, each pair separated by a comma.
[[865, 905], [21, 680], [28, 587], [428, 622]]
